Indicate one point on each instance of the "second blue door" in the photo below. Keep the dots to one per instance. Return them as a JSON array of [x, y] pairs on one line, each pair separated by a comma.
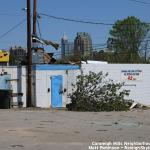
[[57, 91]]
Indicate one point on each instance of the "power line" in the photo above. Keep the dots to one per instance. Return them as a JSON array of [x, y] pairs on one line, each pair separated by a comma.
[[77, 21], [97, 51], [83, 21], [9, 14], [95, 45], [13, 28], [100, 44], [141, 2], [39, 28], [38, 23]]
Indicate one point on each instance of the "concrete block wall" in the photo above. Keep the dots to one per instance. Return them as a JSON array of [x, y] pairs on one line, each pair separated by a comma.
[[18, 86], [139, 87], [43, 83]]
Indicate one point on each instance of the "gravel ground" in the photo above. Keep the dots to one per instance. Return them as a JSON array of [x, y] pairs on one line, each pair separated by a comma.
[[60, 129]]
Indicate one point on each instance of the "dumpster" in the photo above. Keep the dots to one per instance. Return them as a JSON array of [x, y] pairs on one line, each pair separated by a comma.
[[5, 92], [5, 99]]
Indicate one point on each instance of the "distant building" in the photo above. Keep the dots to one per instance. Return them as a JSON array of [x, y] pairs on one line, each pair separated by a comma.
[[66, 47], [83, 45], [4, 57], [17, 55]]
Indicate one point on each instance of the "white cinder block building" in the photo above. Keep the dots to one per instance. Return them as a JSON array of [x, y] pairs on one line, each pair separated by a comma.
[[51, 84]]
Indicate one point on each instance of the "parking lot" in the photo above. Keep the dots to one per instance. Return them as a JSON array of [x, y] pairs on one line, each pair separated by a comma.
[[60, 129]]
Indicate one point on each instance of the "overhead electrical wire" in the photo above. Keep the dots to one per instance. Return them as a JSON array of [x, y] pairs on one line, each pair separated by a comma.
[[141, 2], [77, 21], [81, 21], [13, 28], [38, 24], [40, 33], [100, 50], [9, 14]]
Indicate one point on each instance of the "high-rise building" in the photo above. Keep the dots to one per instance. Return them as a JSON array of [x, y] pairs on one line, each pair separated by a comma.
[[17, 55], [66, 47], [83, 45]]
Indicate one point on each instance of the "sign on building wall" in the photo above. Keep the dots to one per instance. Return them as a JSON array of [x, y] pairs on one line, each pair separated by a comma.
[[131, 75], [4, 56]]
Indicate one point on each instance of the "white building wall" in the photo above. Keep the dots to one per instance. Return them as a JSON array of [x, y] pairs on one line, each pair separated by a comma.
[[16, 74], [70, 80], [41, 89], [24, 86], [139, 88], [43, 83]]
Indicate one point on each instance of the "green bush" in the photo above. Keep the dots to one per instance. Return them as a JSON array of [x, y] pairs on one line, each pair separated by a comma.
[[94, 92]]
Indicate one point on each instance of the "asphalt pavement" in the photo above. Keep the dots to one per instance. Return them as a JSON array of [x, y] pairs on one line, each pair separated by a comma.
[[64, 130]]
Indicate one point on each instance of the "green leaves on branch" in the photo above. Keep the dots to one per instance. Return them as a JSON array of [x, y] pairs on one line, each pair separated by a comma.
[[95, 92], [126, 38]]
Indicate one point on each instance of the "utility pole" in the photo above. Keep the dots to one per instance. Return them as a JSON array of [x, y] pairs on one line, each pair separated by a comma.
[[34, 43], [34, 16], [29, 57]]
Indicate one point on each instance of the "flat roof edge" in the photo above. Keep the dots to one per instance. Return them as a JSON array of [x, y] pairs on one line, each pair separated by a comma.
[[56, 67]]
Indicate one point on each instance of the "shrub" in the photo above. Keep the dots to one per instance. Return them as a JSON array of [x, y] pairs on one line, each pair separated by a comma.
[[94, 92]]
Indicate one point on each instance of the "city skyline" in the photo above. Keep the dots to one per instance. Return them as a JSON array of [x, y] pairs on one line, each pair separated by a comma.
[[104, 11], [81, 46]]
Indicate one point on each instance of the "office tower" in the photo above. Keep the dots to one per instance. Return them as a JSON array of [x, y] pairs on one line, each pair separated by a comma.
[[66, 47], [83, 45]]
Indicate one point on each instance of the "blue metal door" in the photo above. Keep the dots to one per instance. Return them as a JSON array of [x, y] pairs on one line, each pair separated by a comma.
[[56, 92]]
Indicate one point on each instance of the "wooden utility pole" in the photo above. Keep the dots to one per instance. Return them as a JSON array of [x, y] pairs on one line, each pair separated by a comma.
[[29, 57], [34, 42], [34, 16]]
